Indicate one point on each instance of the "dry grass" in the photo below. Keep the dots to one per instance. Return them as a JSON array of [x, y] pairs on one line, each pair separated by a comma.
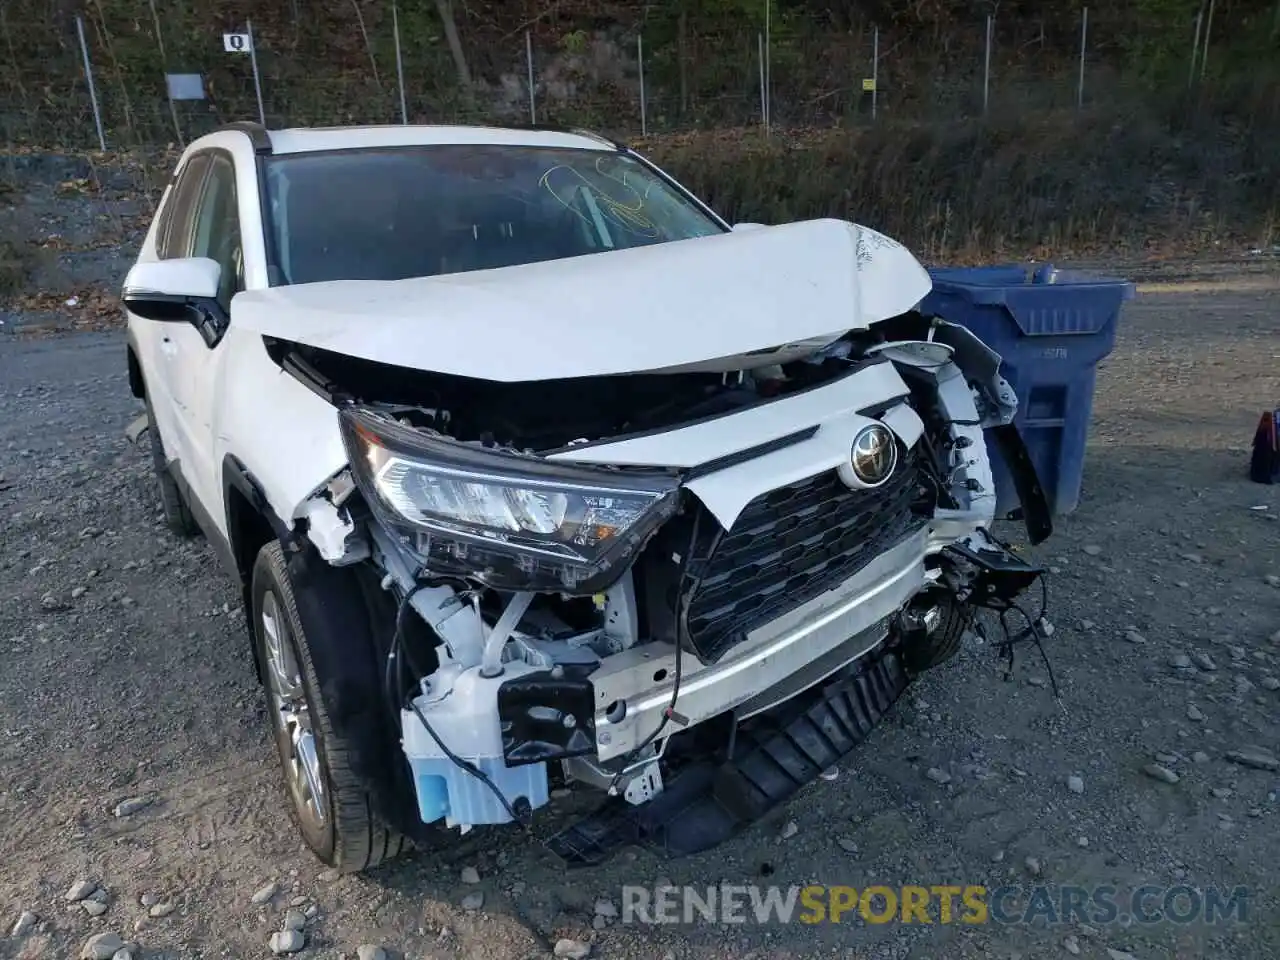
[[1067, 184], [16, 263]]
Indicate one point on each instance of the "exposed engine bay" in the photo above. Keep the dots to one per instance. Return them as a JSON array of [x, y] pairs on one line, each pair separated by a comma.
[[636, 582], [548, 414]]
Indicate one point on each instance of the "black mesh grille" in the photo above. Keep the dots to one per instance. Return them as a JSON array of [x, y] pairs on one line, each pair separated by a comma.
[[790, 545]]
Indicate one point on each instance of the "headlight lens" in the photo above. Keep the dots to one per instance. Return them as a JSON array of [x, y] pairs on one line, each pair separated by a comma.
[[515, 522]]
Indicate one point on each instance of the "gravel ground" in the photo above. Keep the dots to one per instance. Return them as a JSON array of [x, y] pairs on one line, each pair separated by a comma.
[[135, 762]]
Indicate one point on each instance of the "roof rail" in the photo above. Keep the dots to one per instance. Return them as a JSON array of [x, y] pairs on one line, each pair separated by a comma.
[[591, 134], [575, 131], [257, 134]]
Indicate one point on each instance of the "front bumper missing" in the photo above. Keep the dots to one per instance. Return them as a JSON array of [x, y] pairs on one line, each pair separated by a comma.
[[775, 754], [822, 635]]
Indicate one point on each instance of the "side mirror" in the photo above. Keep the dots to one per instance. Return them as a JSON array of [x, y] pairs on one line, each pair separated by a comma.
[[743, 227], [183, 290]]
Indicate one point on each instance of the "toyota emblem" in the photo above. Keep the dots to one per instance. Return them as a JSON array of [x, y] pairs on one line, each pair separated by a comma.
[[874, 455]]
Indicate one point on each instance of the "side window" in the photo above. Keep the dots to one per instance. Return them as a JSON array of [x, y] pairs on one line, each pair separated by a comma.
[[175, 232], [216, 228]]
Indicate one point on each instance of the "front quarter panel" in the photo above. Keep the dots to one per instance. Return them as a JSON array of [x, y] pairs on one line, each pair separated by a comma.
[[286, 436]]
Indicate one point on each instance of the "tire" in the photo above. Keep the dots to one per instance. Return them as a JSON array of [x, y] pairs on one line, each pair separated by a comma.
[[333, 812], [177, 515], [942, 644]]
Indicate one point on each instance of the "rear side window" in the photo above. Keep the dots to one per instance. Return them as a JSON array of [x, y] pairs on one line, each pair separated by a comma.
[[175, 238]]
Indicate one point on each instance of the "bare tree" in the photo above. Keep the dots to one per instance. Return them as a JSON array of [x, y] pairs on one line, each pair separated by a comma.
[[682, 39], [445, 9]]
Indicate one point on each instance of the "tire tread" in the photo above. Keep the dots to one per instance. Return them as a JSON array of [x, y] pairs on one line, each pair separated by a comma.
[[360, 840]]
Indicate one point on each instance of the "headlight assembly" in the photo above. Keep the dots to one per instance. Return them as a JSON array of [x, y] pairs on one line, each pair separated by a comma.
[[514, 522]]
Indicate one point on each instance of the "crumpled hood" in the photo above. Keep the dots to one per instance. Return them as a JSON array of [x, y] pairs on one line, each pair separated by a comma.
[[640, 309]]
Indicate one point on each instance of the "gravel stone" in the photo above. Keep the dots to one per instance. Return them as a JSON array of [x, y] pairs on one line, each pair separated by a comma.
[[572, 949], [1133, 636], [1203, 661], [473, 901], [938, 775], [265, 893], [1194, 712], [162, 909], [25, 923], [294, 920], [1162, 773], [286, 941], [1075, 784], [470, 875], [1180, 661], [94, 908], [369, 951], [101, 946], [606, 908], [1254, 757], [80, 890], [127, 808]]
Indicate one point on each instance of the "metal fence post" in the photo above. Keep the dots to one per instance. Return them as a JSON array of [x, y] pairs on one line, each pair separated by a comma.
[[768, 77], [257, 79], [1204, 50], [164, 61], [1084, 39], [395, 26], [875, 69], [1195, 49], [764, 106], [644, 119], [528, 53], [93, 92], [986, 70]]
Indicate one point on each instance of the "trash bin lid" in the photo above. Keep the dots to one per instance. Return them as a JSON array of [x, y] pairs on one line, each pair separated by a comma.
[[1070, 302]]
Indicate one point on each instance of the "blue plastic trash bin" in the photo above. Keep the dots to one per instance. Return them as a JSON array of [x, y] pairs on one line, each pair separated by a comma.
[[1051, 327]]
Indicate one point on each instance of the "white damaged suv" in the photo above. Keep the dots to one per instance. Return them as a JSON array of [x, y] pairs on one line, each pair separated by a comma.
[[535, 472]]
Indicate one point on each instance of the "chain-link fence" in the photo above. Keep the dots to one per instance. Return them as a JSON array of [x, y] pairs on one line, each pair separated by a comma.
[[154, 72]]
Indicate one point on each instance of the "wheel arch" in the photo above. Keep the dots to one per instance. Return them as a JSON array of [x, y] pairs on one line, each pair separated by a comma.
[[251, 521], [137, 386]]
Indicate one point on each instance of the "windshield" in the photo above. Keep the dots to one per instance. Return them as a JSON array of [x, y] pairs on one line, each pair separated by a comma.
[[389, 214]]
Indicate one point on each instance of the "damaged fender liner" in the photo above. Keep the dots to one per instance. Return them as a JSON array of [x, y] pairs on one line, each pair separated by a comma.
[[776, 754]]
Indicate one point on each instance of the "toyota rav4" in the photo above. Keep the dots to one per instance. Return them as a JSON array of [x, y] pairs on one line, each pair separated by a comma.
[[535, 472]]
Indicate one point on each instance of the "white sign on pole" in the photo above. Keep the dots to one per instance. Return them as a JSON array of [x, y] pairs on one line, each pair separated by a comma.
[[237, 42], [185, 86]]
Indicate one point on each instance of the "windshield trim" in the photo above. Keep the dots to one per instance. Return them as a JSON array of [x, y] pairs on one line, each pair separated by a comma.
[[275, 277]]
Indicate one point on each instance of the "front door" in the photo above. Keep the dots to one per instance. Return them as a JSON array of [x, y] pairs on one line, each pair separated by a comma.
[[215, 233]]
